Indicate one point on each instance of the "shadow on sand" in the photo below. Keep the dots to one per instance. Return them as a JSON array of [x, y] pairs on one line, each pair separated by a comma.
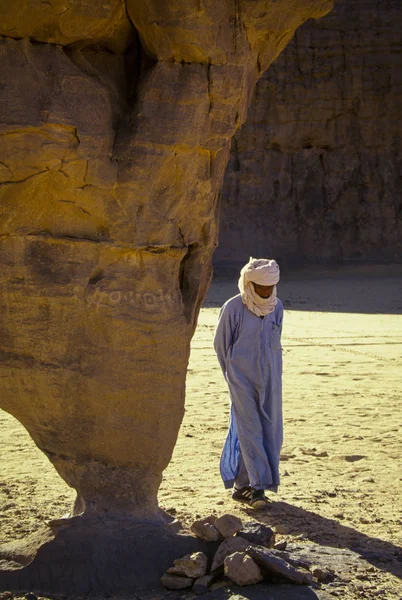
[[330, 533], [366, 289], [264, 591]]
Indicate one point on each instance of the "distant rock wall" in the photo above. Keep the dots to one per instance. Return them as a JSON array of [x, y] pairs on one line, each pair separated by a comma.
[[315, 172]]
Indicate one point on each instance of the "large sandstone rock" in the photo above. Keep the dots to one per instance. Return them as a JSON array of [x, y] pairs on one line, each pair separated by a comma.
[[314, 172], [240, 568], [59, 22], [115, 133]]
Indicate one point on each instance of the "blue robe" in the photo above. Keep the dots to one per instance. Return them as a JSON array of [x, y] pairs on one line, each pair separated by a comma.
[[250, 355]]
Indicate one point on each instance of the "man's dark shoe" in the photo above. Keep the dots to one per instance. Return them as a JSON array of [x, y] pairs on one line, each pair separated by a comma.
[[243, 494], [258, 499]]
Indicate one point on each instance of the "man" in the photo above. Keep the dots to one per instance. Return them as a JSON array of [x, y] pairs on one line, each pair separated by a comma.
[[248, 345]]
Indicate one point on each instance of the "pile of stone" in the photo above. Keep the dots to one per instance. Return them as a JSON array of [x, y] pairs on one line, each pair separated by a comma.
[[246, 555]]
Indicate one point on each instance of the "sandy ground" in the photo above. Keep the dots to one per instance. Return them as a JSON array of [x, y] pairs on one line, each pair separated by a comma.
[[341, 462]]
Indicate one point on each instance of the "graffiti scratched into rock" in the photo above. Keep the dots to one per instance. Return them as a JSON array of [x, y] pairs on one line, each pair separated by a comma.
[[148, 301]]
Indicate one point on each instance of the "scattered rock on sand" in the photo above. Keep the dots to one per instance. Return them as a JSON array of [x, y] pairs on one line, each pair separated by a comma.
[[228, 546], [258, 534], [365, 520], [321, 573], [339, 515], [174, 526], [228, 525], [192, 565], [205, 529], [242, 569], [280, 545], [353, 457], [362, 576], [6, 595], [314, 452], [176, 582]]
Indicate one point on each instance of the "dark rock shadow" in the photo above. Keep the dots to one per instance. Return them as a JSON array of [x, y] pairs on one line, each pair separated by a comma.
[[102, 558], [266, 591]]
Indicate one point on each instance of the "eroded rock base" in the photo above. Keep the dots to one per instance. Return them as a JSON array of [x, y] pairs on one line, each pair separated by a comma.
[[94, 557]]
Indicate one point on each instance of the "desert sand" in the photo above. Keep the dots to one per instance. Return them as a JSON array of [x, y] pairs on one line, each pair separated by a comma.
[[341, 460]]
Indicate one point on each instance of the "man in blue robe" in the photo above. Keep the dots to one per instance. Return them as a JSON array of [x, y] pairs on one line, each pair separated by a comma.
[[248, 345]]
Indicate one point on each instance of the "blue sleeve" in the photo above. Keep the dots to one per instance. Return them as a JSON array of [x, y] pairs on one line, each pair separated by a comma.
[[223, 336]]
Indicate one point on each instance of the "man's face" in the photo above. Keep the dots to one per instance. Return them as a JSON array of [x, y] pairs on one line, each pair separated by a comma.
[[264, 291]]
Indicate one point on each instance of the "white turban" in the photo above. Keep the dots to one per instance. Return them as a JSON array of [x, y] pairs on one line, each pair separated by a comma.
[[263, 272]]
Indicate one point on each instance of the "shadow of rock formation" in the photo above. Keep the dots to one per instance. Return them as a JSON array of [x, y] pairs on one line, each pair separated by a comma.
[[271, 591], [98, 557]]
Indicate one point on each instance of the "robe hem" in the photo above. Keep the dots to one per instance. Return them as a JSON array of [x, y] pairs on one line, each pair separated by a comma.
[[229, 484]]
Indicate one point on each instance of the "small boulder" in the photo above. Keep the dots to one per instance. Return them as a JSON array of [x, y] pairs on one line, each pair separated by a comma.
[[307, 577], [228, 546], [228, 525], [295, 561], [275, 565], [320, 573], [205, 529], [241, 569], [192, 565], [175, 582], [281, 545], [202, 584], [365, 520], [174, 526], [259, 534]]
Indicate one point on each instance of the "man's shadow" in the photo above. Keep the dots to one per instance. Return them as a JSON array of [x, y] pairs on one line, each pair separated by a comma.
[[329, 532]]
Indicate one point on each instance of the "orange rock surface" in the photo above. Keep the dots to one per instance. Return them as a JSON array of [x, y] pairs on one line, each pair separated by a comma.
[[115, 133]]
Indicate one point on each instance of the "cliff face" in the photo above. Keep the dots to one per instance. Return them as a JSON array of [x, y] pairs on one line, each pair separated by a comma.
[[315, 172]]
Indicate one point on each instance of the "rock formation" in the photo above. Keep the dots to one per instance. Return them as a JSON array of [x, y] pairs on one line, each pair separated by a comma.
[[314, 173], [116, 120]]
